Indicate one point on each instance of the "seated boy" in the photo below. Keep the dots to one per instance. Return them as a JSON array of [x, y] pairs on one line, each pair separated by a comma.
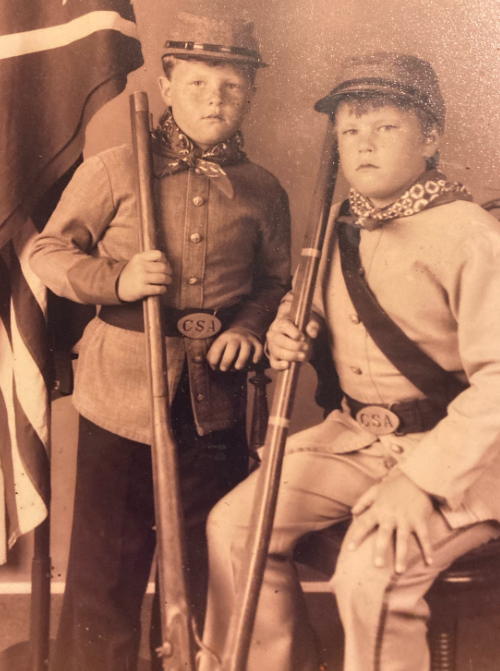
[[223, 224], [408, 295]]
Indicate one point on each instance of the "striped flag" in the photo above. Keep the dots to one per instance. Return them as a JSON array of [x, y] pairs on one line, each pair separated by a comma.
[[60, 61]]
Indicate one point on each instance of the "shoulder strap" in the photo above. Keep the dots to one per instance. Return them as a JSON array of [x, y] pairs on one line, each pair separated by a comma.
[[435, 382]]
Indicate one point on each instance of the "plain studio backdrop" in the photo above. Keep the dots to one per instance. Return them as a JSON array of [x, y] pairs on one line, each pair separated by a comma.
[[303, 43]]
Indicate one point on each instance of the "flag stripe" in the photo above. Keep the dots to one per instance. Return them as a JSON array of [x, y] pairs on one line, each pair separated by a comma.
[[28, 491], [9, 492], [53, 37], [31, 388], [29, 317]]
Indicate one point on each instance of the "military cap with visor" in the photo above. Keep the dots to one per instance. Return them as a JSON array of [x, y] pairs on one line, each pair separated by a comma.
[[204, 38], [400, 77]]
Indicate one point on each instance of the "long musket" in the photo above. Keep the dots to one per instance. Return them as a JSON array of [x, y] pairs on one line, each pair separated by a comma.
[[177, 651], [252, 571]]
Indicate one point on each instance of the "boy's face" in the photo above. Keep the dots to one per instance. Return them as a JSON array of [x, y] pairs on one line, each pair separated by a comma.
[[382, 151], [208, 102]]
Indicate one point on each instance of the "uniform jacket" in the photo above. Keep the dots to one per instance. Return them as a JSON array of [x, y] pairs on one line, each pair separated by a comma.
[[437, 275], [223, 252]]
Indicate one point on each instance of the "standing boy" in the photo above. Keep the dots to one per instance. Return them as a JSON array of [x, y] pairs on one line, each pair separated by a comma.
[[408, 295], [223, 225]]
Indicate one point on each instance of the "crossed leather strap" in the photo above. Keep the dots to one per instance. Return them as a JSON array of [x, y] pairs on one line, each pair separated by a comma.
[[439, 385]]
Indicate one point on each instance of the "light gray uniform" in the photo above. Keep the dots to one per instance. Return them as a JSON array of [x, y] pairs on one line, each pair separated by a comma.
[[437, 275]]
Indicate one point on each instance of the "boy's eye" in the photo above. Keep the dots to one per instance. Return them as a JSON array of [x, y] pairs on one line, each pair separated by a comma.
[[387, 127], [197, 82], [350, 131]]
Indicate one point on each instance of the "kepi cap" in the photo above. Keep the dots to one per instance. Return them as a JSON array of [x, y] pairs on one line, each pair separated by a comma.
[[192, 36], [396, 75]]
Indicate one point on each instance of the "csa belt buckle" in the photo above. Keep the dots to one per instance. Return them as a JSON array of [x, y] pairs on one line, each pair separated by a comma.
[[378, 420], [199, 325]]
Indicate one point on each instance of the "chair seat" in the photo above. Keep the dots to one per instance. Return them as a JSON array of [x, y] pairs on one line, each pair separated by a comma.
[[477, 569]]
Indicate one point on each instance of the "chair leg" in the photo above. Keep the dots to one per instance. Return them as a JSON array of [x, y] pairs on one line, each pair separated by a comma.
[[443, 644]]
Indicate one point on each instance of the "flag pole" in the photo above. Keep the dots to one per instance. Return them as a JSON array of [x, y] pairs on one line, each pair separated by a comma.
[[40, 598]]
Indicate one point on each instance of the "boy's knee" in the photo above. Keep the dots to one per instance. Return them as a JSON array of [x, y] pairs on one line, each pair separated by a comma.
[[357, 582], [224, 524]]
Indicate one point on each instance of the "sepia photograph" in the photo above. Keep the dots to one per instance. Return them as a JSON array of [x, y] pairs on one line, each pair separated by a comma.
[[250, 335]]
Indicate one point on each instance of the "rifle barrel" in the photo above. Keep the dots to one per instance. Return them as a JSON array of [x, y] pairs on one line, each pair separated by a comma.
[[264, 507], [177, 641]]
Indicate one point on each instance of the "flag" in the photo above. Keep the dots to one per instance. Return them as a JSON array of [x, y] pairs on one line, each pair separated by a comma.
[[60, 61]]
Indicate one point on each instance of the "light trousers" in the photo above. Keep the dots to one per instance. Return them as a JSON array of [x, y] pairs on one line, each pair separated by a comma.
[[384, 615]]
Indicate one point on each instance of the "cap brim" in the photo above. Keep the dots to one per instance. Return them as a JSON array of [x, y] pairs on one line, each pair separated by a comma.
[[329, 103], [202, 55]]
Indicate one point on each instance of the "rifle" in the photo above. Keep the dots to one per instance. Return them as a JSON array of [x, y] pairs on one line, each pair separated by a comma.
[[249, 580], [177, 650]]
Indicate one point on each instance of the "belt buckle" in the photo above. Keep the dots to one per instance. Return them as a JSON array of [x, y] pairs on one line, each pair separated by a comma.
[[378, 420], [199, 325]]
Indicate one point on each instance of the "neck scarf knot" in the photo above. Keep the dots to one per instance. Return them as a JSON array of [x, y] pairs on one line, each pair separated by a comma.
[[430, 190], [182, 154]]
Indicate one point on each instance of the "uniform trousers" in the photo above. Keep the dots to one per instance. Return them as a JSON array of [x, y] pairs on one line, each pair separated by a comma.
[[384, 615], [113, 537]]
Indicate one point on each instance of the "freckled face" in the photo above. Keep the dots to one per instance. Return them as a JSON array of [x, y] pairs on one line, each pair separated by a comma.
[[208, 102], [383, 151]]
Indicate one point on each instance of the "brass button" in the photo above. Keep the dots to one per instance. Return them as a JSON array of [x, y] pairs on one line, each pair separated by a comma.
[[356, 370], [198, 358], [193, 280], [361, 272], [195, 237], [198, 201], [200, 397], [390, 462], [397, 448], [354, 318]]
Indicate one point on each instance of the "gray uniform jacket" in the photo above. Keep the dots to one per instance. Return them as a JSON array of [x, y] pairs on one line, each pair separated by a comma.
[[223, 252], [437, 275]]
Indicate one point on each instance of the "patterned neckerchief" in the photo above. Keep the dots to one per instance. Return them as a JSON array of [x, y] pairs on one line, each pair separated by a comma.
[[182, 154], [431, 189]]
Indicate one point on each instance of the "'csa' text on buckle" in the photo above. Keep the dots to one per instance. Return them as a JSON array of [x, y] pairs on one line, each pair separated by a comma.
[[199, 325], [377, 420]]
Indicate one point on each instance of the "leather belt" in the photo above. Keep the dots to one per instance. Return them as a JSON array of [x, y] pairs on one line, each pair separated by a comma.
[[415, 416], [197, 323]]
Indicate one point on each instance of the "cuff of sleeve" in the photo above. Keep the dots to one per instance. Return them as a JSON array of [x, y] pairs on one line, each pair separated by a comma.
[[95, 280], [255, 319], [418, 474]]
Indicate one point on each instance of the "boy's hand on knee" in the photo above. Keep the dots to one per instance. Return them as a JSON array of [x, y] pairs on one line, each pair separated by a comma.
[[146, 274], [395, 509], [233, 348], [286, 343]]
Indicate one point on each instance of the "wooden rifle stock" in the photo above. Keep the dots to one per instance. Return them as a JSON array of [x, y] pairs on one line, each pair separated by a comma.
[[252, 571], [177, 651]]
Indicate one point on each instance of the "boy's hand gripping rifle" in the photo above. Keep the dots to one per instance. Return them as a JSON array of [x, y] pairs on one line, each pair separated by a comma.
[[177, 651], [252, 571]]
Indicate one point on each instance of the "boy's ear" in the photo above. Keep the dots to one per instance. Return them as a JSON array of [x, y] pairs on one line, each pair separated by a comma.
[[165, 88], [432, 140]]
